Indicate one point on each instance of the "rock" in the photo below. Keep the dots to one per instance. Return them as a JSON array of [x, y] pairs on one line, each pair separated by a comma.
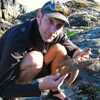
[[87, 85], [4, 25], [77, 20], [10, 9]]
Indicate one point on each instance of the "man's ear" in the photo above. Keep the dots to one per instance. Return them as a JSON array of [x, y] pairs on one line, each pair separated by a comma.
[[39, 16]]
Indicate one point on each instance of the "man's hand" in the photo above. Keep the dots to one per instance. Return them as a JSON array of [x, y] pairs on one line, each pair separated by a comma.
[[52, 82], [61, 95], [83, 55]]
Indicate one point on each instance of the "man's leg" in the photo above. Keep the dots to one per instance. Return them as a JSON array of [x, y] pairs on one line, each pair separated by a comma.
[[52, 58], [56, 55], [30, 67], [32, 64]]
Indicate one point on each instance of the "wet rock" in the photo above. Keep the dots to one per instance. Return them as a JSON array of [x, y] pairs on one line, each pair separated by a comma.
[[89, 39], [77, 21]]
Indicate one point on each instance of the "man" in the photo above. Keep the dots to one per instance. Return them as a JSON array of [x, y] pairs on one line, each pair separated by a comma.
[[23, 48]]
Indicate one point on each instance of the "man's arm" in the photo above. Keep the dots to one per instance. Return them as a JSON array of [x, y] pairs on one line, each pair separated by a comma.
[[69, 45], [51, 82], [14, 49], [21, 90]]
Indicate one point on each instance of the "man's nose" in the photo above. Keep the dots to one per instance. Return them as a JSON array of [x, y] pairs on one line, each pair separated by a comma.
[[53, 29]]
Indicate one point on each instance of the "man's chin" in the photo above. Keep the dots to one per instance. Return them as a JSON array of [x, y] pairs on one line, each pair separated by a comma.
[[48, 40]]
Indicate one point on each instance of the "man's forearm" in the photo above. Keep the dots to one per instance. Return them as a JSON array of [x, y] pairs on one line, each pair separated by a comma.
[[21, 90]]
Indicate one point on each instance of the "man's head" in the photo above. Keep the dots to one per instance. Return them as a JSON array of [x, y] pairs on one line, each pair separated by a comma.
[[51, 19]]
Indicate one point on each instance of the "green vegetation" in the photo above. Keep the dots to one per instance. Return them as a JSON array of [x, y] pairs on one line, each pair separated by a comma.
[[71, 33]]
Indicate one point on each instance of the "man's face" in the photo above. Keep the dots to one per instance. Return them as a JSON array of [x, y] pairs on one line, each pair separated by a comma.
[[49, 28]]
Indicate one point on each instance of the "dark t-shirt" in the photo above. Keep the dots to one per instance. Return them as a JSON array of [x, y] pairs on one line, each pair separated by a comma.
[[14, 45]]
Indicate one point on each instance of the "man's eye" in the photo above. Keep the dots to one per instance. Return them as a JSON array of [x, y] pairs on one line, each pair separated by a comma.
[[59, 26], [51, 21]]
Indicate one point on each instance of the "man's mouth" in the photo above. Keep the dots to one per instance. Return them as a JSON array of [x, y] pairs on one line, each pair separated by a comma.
[[48, 35]]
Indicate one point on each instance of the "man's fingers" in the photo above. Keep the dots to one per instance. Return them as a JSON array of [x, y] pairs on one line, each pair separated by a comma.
[[61, 80], [56, 77], [88, 51], [85, 55]]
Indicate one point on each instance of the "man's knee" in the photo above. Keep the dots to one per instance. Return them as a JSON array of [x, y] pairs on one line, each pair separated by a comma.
[[60, 49], [31, 65], [34, 58]]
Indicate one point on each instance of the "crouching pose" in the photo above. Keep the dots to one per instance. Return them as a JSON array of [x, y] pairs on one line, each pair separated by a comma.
[[23, 50]]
